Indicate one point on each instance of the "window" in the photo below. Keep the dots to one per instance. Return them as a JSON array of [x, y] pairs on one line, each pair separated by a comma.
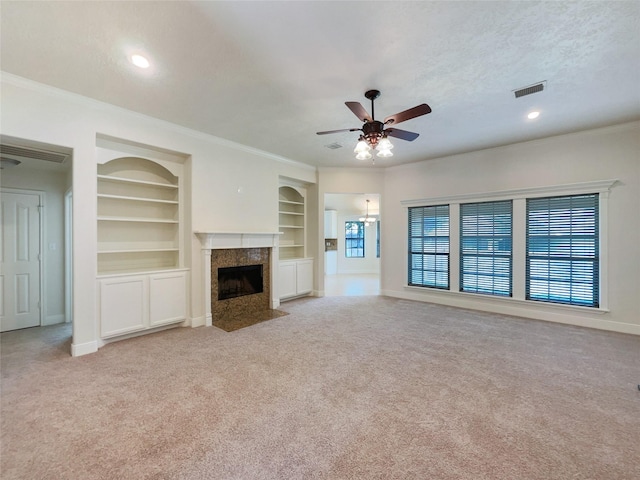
[[562, 250], [485, 247], [354, 239], [429, 246]]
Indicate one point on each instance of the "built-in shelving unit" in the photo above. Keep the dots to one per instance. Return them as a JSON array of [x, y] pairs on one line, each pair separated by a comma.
[[291, 215], [142, 281], [295, 269], [138, 217]]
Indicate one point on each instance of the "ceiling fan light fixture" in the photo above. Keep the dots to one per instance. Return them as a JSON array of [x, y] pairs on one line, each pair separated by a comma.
[[374, 135], [362, 146], [384, 144]]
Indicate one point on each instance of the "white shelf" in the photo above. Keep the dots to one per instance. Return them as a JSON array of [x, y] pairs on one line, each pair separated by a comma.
[[139, 250], [138, 199], [290, 202], [291, 226], [115, 179], [291, 213], [135, 219]]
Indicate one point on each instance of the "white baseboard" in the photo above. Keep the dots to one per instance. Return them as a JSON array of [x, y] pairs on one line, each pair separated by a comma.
[[53, 319], [198, 322], [580, 317], [79, 349]]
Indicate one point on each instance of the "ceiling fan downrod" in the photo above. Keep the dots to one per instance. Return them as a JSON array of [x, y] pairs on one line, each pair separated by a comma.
[[372, 95]]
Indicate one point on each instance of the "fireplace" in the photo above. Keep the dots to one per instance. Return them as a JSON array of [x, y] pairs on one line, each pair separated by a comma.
[[221, 250], [239, 280]]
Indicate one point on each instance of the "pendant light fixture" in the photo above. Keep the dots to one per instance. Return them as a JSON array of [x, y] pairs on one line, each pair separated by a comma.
[[367, 219]]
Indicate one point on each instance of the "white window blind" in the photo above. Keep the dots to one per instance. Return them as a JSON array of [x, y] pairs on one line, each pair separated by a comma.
[[429, 246], [486, 247], [563, 250]]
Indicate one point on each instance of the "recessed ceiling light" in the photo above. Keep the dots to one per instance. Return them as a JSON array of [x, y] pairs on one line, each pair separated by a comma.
[[533, 115], [139, 61]]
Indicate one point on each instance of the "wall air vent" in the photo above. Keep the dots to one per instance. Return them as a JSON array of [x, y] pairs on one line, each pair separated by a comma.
[[538, 87], [333, 146], [20, 153]]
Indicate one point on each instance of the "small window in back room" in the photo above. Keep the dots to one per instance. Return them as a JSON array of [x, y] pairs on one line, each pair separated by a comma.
[[354, 239]]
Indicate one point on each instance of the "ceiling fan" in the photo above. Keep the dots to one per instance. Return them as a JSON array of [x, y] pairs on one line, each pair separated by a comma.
[[374, 134]]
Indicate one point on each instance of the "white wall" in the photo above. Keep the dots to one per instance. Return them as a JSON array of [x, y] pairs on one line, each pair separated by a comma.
[[224, 197], [53, 184], [602, 154]]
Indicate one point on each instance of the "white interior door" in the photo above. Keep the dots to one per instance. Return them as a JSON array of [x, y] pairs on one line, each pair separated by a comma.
[[19, 261]]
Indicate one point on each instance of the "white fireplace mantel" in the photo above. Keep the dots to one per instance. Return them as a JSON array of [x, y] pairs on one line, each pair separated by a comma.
[[216, 240], [220, 240]]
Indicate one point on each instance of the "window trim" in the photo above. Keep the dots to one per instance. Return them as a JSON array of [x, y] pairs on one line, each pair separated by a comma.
[[519, 196]]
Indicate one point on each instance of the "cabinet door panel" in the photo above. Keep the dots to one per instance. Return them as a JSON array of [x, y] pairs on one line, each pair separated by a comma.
[[304, 277], [123, 305], [287, 281], [168, 298]]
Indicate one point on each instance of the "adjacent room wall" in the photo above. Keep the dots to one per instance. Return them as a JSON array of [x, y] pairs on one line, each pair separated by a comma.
[[602, 154]]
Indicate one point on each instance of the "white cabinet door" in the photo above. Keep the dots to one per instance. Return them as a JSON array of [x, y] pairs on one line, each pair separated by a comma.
[[330, 224], [287, 280], [123, 305], [167, 298], [304, 276]]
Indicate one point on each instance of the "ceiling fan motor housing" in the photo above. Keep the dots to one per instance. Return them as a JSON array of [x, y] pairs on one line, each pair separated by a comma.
[[372, 131]]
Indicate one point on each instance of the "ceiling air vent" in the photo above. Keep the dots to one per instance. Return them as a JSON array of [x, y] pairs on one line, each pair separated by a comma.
[[20, 153], [334, 145], [538, 87]]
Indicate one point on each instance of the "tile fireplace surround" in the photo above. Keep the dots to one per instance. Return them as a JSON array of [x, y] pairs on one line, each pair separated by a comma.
[[226, 250]]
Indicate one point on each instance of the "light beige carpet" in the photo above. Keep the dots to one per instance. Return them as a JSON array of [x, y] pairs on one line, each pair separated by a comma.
[[341, 388]]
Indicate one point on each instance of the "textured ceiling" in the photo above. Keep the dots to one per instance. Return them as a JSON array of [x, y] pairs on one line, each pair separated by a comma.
[[271, 74]]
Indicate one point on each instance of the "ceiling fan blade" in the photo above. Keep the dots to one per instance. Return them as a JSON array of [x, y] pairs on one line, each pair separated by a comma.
[[338, 131], [402, 134], [359, 111], [414, 112]]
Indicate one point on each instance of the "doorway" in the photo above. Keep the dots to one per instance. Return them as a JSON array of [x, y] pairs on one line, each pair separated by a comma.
[[352, 245], [34, 181]]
